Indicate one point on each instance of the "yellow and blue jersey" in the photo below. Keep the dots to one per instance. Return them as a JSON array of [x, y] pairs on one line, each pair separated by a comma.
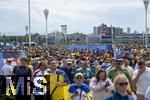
[[60, 92]]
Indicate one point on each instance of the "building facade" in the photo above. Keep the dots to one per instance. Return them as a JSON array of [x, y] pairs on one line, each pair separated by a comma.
[[104, 30]]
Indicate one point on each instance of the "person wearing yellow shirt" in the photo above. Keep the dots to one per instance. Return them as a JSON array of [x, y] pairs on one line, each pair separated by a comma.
[[56, 82]]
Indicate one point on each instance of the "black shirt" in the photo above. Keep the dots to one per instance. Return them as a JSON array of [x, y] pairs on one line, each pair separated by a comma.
[[69, 73], [21, 75]]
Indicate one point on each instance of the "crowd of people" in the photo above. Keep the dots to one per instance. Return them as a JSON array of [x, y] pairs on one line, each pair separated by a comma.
[[56, 73]]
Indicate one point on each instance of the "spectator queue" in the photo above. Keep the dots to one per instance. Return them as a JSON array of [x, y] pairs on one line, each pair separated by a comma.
[[55, 73]]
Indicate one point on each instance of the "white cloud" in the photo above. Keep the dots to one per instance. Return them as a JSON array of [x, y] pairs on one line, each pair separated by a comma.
[[79, 15]]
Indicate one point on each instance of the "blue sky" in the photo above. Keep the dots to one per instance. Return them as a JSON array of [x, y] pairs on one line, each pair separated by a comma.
[[79, 15]]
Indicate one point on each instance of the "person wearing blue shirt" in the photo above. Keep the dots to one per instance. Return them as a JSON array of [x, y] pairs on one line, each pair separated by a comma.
[[121, 84], [68, 69], [79, 90], [106, 64]]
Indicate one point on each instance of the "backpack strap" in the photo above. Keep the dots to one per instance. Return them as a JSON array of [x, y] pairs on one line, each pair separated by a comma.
[[80, 98], [55, 86]]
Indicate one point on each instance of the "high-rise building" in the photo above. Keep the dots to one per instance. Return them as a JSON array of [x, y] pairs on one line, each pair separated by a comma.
[[101, 30], [118, 30], [95, 30], [128, 30], [135, 32], [104, 30]]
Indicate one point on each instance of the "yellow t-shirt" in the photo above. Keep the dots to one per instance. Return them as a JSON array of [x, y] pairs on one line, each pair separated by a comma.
[[60, 92]]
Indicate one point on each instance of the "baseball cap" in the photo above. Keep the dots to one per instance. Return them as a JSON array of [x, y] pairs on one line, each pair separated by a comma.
[[79, 75], [69, 61]]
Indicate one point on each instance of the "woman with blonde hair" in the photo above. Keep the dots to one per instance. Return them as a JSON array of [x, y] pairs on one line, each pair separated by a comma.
[[121, 84]]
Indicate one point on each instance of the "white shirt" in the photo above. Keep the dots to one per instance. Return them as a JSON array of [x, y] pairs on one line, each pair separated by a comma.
[[97, 92], [143, 82], [136, 67], [147, 94], [7, 70], [83, 95]]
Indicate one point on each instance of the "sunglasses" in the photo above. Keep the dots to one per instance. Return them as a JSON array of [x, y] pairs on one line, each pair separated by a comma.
[[79, 78], [123, 84]]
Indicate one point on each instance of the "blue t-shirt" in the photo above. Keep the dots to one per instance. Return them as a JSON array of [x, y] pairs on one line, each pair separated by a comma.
[[73, 88], [117, 96]]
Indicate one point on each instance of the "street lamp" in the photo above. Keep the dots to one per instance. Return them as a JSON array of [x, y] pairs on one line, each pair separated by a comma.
[[100, 38], [26, 28], [112, 34], [29, 22], [146, 2], [46, 12], [86, 40], [113, 42]]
